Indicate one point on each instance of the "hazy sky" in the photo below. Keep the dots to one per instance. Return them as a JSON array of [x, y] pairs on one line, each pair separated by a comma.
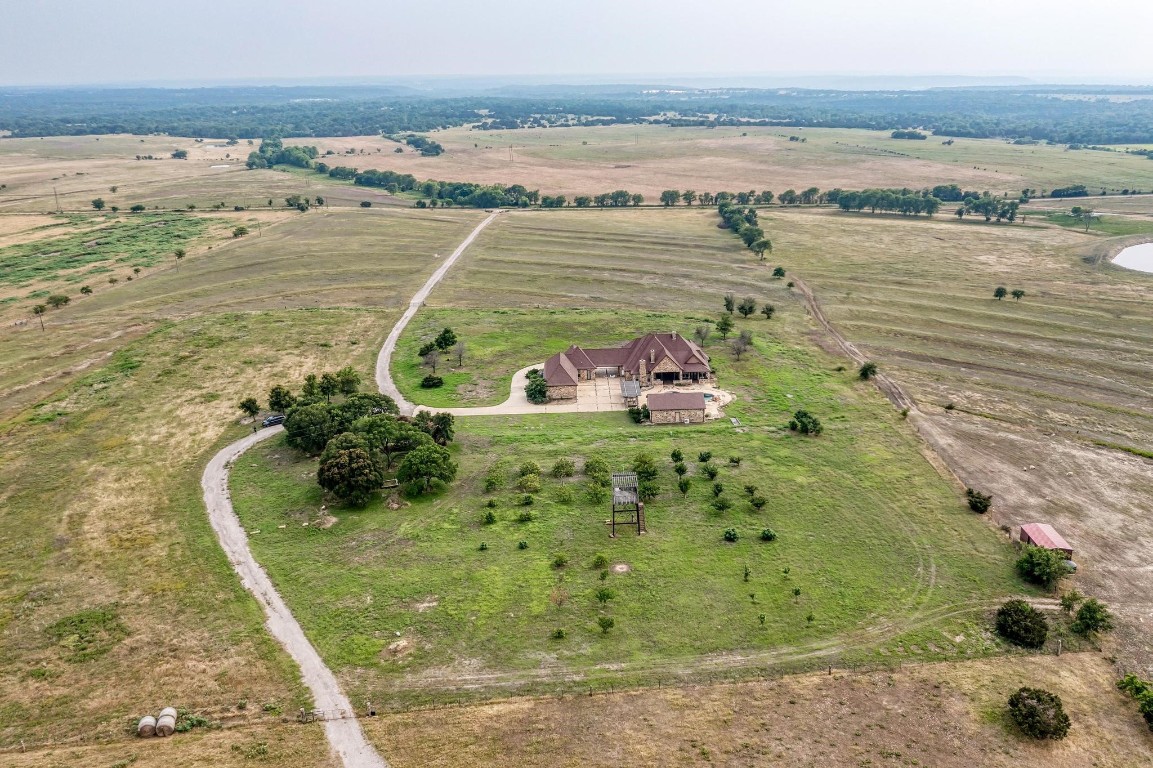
[[80, 41]]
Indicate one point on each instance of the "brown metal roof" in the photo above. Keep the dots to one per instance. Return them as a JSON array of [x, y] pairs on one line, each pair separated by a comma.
[[652, 348], [676, 401], [559, 372]]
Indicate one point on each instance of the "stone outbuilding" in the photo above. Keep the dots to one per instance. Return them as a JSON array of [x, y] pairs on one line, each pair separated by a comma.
[[676, 407]]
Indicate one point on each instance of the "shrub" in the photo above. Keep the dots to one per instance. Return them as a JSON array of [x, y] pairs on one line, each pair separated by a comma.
[[522, 544], [528, 468], [494, 480], [1022, 624], [722, 504], [710, 471], [867, 371], [558, 634], [735, 461], [565, 494], [806, 423], [645, 467], [648, 490], [489, 517], [978, 502], [365, 203], [677, 455], [704, 456], [731, 534], [600, 561], [751, 490], [564, 468], [596, 466], [1092, 617], [1069, 600], [431, 382], [491, 503], [596, 493], [636, 414], [483, 547], [718, 489], [680, 469], [559, 561], [768, 535], [1039, 713], [683, 486], [606, 623], [758, 502], [604, 594], [528, 484], [525, 516], [1042, 566], [526, 500]]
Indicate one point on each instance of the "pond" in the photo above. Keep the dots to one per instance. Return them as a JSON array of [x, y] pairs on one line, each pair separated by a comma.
[[1139, 257]]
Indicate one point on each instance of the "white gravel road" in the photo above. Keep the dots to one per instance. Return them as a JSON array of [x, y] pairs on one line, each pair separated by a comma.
[[344, 734]]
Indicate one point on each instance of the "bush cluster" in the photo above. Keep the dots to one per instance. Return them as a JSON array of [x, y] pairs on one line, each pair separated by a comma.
[[1022, 624], [1039, 713]]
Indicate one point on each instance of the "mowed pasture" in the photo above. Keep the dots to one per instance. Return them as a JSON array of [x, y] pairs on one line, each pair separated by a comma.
[[648, 159], [408, 609], [367, 258], [947, 715]]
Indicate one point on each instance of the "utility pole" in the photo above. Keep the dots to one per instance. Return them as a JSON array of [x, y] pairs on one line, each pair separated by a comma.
[[57, 199], [510, 153]]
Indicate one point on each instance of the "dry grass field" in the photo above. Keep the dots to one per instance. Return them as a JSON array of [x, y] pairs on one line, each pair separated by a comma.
[[74, 170], [946, 715], [110, 416], [648, 159]]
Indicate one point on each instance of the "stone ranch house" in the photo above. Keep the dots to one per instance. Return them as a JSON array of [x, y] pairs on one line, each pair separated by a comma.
[[665, 358]]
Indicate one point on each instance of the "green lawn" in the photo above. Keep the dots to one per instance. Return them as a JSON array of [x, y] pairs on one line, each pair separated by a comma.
[[869, 532]]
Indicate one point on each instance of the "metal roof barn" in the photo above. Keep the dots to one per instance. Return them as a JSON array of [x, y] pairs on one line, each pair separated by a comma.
[[1043, 535]]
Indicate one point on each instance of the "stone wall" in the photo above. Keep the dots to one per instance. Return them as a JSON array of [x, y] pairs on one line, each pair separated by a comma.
[[562, 393], [676, 417]]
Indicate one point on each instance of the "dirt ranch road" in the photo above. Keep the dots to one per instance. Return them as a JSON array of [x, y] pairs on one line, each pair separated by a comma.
[[383, 375], [343, 732]]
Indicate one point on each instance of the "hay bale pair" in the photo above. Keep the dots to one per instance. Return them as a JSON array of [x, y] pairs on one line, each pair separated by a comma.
[[162, 726]]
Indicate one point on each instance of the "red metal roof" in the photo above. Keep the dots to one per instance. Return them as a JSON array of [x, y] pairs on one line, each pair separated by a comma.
[[1043, 535], [676, 401]]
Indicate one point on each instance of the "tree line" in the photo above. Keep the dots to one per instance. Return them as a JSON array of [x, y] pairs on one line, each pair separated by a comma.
[[1030, 113]]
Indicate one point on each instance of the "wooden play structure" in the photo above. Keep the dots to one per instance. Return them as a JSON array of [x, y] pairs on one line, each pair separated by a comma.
[[628, 509]]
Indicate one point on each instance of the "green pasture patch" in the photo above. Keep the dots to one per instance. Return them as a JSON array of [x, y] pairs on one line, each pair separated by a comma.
[[88, 634], [1107, 224], [141, 240], [500, 342]]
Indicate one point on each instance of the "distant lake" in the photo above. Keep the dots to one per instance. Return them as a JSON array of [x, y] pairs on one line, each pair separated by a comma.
[[1139, 257]]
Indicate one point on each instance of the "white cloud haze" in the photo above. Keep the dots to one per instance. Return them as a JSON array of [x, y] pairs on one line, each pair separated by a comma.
[[74, 41]]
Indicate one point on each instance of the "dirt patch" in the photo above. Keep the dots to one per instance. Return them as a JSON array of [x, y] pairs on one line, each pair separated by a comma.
[[943, 715], [326, 521], [621, 568], [427, 604], [399, 648]]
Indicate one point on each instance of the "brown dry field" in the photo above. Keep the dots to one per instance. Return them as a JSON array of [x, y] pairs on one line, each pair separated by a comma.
[[81, 168], [941, 715], [649, 159]]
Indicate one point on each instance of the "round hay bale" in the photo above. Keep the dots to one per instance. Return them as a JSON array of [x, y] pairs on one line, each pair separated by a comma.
[[166, 723], [146, 726]]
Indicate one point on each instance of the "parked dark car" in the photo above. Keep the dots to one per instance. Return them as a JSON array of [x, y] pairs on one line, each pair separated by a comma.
[[273, 420]]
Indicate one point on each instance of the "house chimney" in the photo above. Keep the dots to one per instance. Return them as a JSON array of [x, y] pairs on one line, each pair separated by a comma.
[[652, 356]]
